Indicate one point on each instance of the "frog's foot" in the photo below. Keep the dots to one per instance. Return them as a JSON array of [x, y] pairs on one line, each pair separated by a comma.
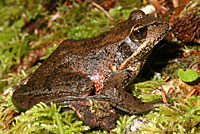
[[95, 113]]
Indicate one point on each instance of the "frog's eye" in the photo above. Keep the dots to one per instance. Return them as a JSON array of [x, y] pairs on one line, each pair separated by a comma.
[[139, 33]]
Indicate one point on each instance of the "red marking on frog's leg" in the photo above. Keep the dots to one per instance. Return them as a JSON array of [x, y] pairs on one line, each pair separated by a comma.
[[98, 79]]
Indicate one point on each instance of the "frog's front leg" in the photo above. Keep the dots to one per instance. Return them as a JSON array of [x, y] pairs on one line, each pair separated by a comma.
[[122, 100]]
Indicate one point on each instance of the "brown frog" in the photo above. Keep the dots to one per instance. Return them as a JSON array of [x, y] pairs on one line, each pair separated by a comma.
[[99, 67]]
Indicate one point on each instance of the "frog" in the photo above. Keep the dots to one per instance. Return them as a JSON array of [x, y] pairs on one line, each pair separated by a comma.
[[98, 68]]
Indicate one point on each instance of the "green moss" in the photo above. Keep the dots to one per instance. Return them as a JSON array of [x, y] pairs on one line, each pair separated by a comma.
[[13, 43], [10, 54], [179, 118], [129, 4], [44, 119], [83, 21], [122, 123]]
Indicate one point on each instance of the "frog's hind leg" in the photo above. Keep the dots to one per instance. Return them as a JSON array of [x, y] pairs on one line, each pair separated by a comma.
[[66, 87], [56, 86]]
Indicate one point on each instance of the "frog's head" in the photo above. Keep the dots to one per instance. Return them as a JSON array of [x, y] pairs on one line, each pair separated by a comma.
[[144, 32]]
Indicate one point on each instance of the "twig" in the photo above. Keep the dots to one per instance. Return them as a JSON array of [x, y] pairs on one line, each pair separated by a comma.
[[102, 9], [192, 64], [163, 94]]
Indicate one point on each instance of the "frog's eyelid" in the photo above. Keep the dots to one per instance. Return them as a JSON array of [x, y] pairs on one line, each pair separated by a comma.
[[137, 27]]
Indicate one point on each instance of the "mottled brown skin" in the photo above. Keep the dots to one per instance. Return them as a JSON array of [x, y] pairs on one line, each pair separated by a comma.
[[103, 65]]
